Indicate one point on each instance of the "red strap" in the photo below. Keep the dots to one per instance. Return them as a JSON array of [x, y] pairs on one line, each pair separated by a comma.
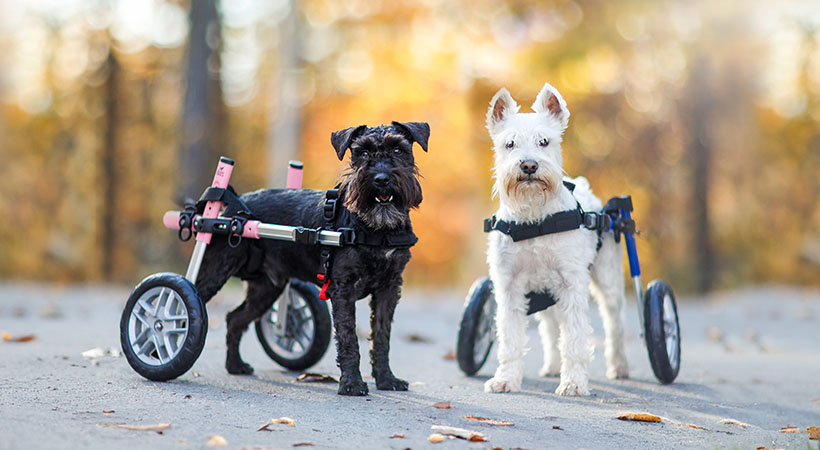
[[323, 292]]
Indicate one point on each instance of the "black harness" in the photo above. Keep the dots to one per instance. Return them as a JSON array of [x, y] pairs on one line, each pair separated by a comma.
[[609, 219]]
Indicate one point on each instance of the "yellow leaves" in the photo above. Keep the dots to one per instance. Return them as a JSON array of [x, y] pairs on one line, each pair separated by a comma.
[[280, 421], [25, 338], [640, 417], [216, 441], [158, 428], [442, 405], [435, 438], [499, 423], [733, 422]]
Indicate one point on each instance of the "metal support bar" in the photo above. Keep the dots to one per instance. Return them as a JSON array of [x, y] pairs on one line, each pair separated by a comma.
[[196, 261], [289, 233]]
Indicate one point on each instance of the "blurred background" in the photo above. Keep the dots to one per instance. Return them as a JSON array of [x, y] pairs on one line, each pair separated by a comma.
[[705, 112]]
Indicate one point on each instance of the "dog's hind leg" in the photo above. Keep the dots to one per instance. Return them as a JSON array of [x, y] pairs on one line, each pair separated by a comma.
[[548, 328], [219, 264], [511, 327], [608, 290], [260, 295], [382, 306]]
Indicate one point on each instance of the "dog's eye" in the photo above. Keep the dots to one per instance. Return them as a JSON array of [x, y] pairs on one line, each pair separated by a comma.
[[397, 150], [510, 144], [544, 142], [364, 154]]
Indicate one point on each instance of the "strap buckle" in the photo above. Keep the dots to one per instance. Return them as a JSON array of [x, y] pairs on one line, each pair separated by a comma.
[[331, 198], [307, 236], [348, 236], [597, 221]]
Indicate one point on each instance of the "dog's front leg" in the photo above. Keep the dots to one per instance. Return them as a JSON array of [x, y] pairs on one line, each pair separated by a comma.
[[573, 307], [511, 328], [347, 345], [382, 305]]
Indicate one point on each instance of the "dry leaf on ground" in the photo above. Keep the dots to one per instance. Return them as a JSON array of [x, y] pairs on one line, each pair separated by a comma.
[[442, 405], [435, 438], [732, 422], [216, 441], [461, 433], [814, 433], [108, 411], [303, 444], [695, 427], [790, 429], [640, 417], [413, 337], [450, 356], [316, 378], [25, 338], [767, 448], [158, 427], [556, 427], [816, 400], [397, 436], [282, 420], [495, 422]]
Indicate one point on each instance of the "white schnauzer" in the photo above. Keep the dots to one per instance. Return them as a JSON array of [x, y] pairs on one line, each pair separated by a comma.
[[568, 264]]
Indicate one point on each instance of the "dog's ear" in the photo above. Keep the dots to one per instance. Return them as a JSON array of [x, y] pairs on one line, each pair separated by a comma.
[[419, 131], [549, 101], [342, 139], [502, 106]]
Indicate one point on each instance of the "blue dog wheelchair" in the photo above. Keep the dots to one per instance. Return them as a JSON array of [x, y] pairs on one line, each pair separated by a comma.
[[657, 311]]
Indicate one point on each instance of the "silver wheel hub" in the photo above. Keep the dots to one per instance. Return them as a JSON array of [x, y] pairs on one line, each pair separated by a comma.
[[299, 330], [158, 326]]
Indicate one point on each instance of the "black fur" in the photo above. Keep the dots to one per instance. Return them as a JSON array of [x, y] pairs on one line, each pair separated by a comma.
[[383, 153]]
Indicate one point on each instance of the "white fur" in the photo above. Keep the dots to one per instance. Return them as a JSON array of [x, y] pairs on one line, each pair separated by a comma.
[[566, 264]]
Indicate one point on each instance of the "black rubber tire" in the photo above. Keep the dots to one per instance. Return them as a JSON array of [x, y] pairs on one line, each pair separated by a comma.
[[481, 292], [322, 325], [664, 365], [194, 340]]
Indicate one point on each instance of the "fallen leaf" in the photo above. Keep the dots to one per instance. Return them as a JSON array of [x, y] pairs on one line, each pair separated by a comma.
[[419, 338], [640, 417], [695, 427], [435, 438], [816, 400], [767, 448], [450, 356], [158, 427], [187, 397], [461, 433], [556, 427], [732, 422], [495, 422], [790, 429], [282, 420], [316, 378], [814, 433], [25, 338], [397, 436], [303, 444], [442, 405], [714, 334], [216, 441], [108, 411]]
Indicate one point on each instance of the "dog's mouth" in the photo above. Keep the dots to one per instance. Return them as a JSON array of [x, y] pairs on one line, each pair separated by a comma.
[[384, 198]]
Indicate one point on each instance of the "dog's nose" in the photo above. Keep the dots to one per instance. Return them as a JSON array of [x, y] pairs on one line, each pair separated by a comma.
[[529, 166], [381, 179]]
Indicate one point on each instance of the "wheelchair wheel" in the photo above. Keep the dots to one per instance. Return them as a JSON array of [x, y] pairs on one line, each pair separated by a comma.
[[477, 331], [163, 327], [306, 334], [662, 331]]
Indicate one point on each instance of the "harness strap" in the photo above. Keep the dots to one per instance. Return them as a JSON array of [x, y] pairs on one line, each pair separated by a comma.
[[227, 196]]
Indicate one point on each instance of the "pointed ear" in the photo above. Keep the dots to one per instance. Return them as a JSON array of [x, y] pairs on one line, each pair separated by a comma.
[[419, 131], [342, 139], [549, 101], [502, 106]]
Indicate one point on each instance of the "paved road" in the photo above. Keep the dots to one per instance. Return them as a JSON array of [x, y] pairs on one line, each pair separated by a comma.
[[752, 356]]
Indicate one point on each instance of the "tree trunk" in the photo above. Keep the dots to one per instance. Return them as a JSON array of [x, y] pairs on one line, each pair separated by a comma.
[[202, 118], [108, 166], [700, 154], [284, 122]]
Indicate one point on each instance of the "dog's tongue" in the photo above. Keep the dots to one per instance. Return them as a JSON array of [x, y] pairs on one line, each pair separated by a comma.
[[384, 197]]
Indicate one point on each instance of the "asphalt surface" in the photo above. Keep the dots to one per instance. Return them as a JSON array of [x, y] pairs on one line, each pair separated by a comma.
[[751, 356]]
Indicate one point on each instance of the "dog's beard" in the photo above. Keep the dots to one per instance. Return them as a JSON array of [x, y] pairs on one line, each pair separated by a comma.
[[528, 191], [377, 208]]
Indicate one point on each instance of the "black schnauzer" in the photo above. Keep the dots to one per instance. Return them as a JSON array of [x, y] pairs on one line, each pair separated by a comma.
[[376, 194]]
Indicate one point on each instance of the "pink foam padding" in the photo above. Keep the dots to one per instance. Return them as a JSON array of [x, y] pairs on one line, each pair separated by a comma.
[[294, 178], [251, 229], [221, 179], [171, 220]]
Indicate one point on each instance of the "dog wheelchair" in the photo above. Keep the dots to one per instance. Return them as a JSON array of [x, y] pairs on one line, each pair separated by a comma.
[[164, 322], [657, 311]]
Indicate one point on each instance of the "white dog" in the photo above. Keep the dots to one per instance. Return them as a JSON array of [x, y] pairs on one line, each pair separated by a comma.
[[569, 264]]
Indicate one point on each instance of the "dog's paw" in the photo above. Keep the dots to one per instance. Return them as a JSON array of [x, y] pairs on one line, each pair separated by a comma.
[[238, 368], [499, 384], [354, 388], [548, 371], [570, 389], [617, 373], [391, 384]]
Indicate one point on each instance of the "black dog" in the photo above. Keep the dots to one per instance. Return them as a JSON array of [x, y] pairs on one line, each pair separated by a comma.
[[377, 193]]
